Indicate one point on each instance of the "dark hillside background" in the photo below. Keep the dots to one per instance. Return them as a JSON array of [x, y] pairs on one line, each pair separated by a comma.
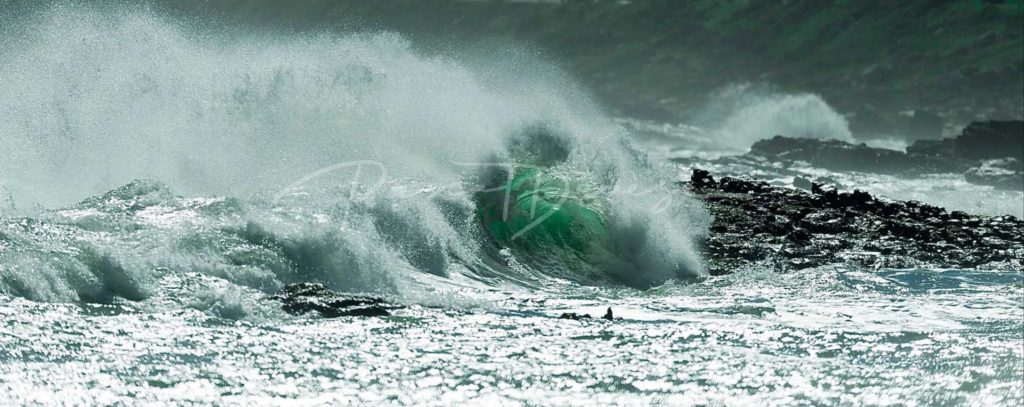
[[949, 62]]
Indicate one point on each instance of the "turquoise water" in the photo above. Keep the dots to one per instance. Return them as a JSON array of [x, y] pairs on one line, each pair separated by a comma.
[[158, 182]]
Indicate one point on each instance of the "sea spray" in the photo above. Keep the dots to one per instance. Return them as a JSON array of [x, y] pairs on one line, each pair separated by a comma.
[[738, 115], [97, 98]]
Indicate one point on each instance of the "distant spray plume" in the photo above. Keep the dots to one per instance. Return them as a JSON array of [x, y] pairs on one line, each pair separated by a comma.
[[739, 115]]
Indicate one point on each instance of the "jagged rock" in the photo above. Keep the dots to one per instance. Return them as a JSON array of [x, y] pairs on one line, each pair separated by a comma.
[[991, 140], [608, 315], [574, 316], [988, 153], [701, 178], [793, 229], [837, 155], [936, 149], [303, 298]]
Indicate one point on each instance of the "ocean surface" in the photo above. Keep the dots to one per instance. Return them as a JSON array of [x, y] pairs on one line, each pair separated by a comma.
[[817, 337], [159, 182]]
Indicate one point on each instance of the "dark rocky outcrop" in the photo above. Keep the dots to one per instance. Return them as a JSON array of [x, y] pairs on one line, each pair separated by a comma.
[[608, 315], [303, 298], [979, 141], [987, 153], [574, 316], [791, 229], [838, 155]]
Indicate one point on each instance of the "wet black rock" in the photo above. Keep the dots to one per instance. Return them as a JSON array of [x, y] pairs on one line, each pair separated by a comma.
[[608, 315], [987, 153], [839, 155], [303, 298], [978, 141], [791, 229]]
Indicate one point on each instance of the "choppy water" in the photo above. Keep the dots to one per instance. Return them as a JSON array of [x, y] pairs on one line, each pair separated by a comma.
[[822, 336], [160, 181]]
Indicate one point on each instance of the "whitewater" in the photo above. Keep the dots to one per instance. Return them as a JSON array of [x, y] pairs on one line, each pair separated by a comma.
[[161, 179]]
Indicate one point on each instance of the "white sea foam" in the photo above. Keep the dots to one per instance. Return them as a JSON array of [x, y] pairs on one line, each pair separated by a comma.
[[97, 97]]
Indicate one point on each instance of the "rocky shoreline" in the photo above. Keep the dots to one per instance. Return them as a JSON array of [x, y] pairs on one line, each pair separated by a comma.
[[756, 224], [987, 153], [759, 225], [791, 229]]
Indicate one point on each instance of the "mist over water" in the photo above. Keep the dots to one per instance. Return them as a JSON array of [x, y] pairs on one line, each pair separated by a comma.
[[741, 114], [95, 99], [163, 179]]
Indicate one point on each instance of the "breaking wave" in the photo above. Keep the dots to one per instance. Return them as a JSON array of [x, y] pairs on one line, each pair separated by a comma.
[[351, 160]]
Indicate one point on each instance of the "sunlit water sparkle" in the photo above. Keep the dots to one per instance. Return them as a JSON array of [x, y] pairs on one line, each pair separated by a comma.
[[141, 296], [821, 336]]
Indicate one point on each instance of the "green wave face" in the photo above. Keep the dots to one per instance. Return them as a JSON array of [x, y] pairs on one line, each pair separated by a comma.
[[544, 215]]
